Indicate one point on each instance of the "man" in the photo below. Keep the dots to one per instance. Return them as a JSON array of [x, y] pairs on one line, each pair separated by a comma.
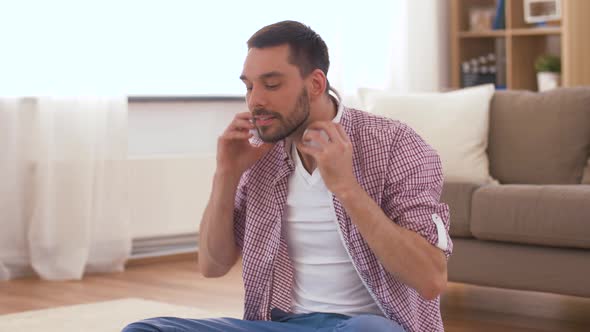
[[334, 211]]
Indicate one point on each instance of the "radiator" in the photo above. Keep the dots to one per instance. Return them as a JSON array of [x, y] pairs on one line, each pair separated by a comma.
[[168, 194]]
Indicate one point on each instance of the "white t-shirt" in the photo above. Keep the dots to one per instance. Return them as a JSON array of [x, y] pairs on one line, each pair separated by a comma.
[[325, 278]]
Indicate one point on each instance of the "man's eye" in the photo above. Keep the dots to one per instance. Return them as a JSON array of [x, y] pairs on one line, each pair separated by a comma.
[[249, 88], [272, 87]]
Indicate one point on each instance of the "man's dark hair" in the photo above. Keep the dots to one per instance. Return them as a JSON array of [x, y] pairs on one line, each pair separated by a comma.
[[308, 49]]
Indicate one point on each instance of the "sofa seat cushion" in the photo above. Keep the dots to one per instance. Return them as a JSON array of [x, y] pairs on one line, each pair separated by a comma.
[[551, 215], [458, 197]]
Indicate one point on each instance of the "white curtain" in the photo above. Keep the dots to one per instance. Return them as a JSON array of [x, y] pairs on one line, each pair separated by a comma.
[[63, 192], [420, 46], [399, 46]]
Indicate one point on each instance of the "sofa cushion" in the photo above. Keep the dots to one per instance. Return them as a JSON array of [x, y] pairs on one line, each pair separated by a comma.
[[523, 267], [458, 197], [552, 215], [540, 138], [455, 124]]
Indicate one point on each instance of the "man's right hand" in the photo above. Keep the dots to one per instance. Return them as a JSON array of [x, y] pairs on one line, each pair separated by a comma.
[[235, 154]]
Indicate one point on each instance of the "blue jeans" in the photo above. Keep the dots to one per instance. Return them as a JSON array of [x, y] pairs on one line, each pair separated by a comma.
[[280, 322]]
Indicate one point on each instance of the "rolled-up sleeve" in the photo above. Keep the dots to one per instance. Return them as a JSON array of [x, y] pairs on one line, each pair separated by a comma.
[[413, 188]]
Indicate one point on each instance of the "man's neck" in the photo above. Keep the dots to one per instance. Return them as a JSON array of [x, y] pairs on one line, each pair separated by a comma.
[[326, 110]]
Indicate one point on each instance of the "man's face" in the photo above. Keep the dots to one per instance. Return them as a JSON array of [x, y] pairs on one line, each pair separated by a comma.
[[276, 93]]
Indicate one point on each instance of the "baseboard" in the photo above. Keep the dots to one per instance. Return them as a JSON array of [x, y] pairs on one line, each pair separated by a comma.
[[164, 245], [163, 249]]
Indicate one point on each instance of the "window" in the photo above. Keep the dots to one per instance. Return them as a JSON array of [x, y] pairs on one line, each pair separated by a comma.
[[175, 47]]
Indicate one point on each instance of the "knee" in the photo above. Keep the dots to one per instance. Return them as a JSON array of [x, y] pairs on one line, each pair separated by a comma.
[[141, 326], [369, 323]]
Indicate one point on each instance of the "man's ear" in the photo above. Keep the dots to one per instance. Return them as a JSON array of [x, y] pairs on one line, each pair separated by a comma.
[[317, 84]]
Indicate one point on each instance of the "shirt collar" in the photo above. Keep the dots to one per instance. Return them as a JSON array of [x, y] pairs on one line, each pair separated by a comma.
[[339, 111]]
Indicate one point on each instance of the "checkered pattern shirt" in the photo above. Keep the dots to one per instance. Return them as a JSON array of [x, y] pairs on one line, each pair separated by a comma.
[[396, 168]]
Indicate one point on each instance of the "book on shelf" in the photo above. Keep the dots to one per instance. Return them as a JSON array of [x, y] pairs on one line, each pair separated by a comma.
[[499, 19]]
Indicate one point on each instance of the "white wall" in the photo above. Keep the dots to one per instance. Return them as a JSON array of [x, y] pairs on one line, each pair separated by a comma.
[[157, 128], [172, 160]]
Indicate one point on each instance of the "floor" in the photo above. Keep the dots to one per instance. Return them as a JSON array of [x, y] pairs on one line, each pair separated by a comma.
[[177, 281]]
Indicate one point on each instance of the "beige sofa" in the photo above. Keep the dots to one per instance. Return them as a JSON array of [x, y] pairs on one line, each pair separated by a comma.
[[532, 231]]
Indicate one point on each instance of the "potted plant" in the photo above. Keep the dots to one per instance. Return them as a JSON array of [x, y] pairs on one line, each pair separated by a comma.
[[548, 69]]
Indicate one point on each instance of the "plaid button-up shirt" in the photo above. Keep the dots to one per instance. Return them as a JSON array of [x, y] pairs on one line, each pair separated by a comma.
[[396, 168]]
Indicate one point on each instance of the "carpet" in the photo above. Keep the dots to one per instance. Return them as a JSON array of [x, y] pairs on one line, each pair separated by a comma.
[[108, 316]]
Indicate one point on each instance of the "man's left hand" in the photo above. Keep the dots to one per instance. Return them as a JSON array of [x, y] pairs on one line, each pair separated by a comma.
[[332, 153]]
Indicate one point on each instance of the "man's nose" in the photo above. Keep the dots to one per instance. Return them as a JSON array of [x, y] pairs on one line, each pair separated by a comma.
[[256, 98]]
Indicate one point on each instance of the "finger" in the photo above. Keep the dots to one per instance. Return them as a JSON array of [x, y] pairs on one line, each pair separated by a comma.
[[313, 151], [333, 133], [241, 124], [329, 128], [243, 115], [314, 135], [238, 125], [237, 135]]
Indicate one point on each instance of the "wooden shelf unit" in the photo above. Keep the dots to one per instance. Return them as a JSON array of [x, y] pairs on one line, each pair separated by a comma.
[[482, 34], [523, 43]]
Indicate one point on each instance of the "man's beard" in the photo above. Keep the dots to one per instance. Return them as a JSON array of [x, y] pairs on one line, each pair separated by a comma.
[[296, 118]]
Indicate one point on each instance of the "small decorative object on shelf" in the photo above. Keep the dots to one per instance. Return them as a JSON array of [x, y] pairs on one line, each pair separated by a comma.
[[481, 18], [479, 70], [548, 69], [541, 11]]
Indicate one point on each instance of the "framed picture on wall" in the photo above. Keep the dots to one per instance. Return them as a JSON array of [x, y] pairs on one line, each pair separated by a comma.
[[537, 11]]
